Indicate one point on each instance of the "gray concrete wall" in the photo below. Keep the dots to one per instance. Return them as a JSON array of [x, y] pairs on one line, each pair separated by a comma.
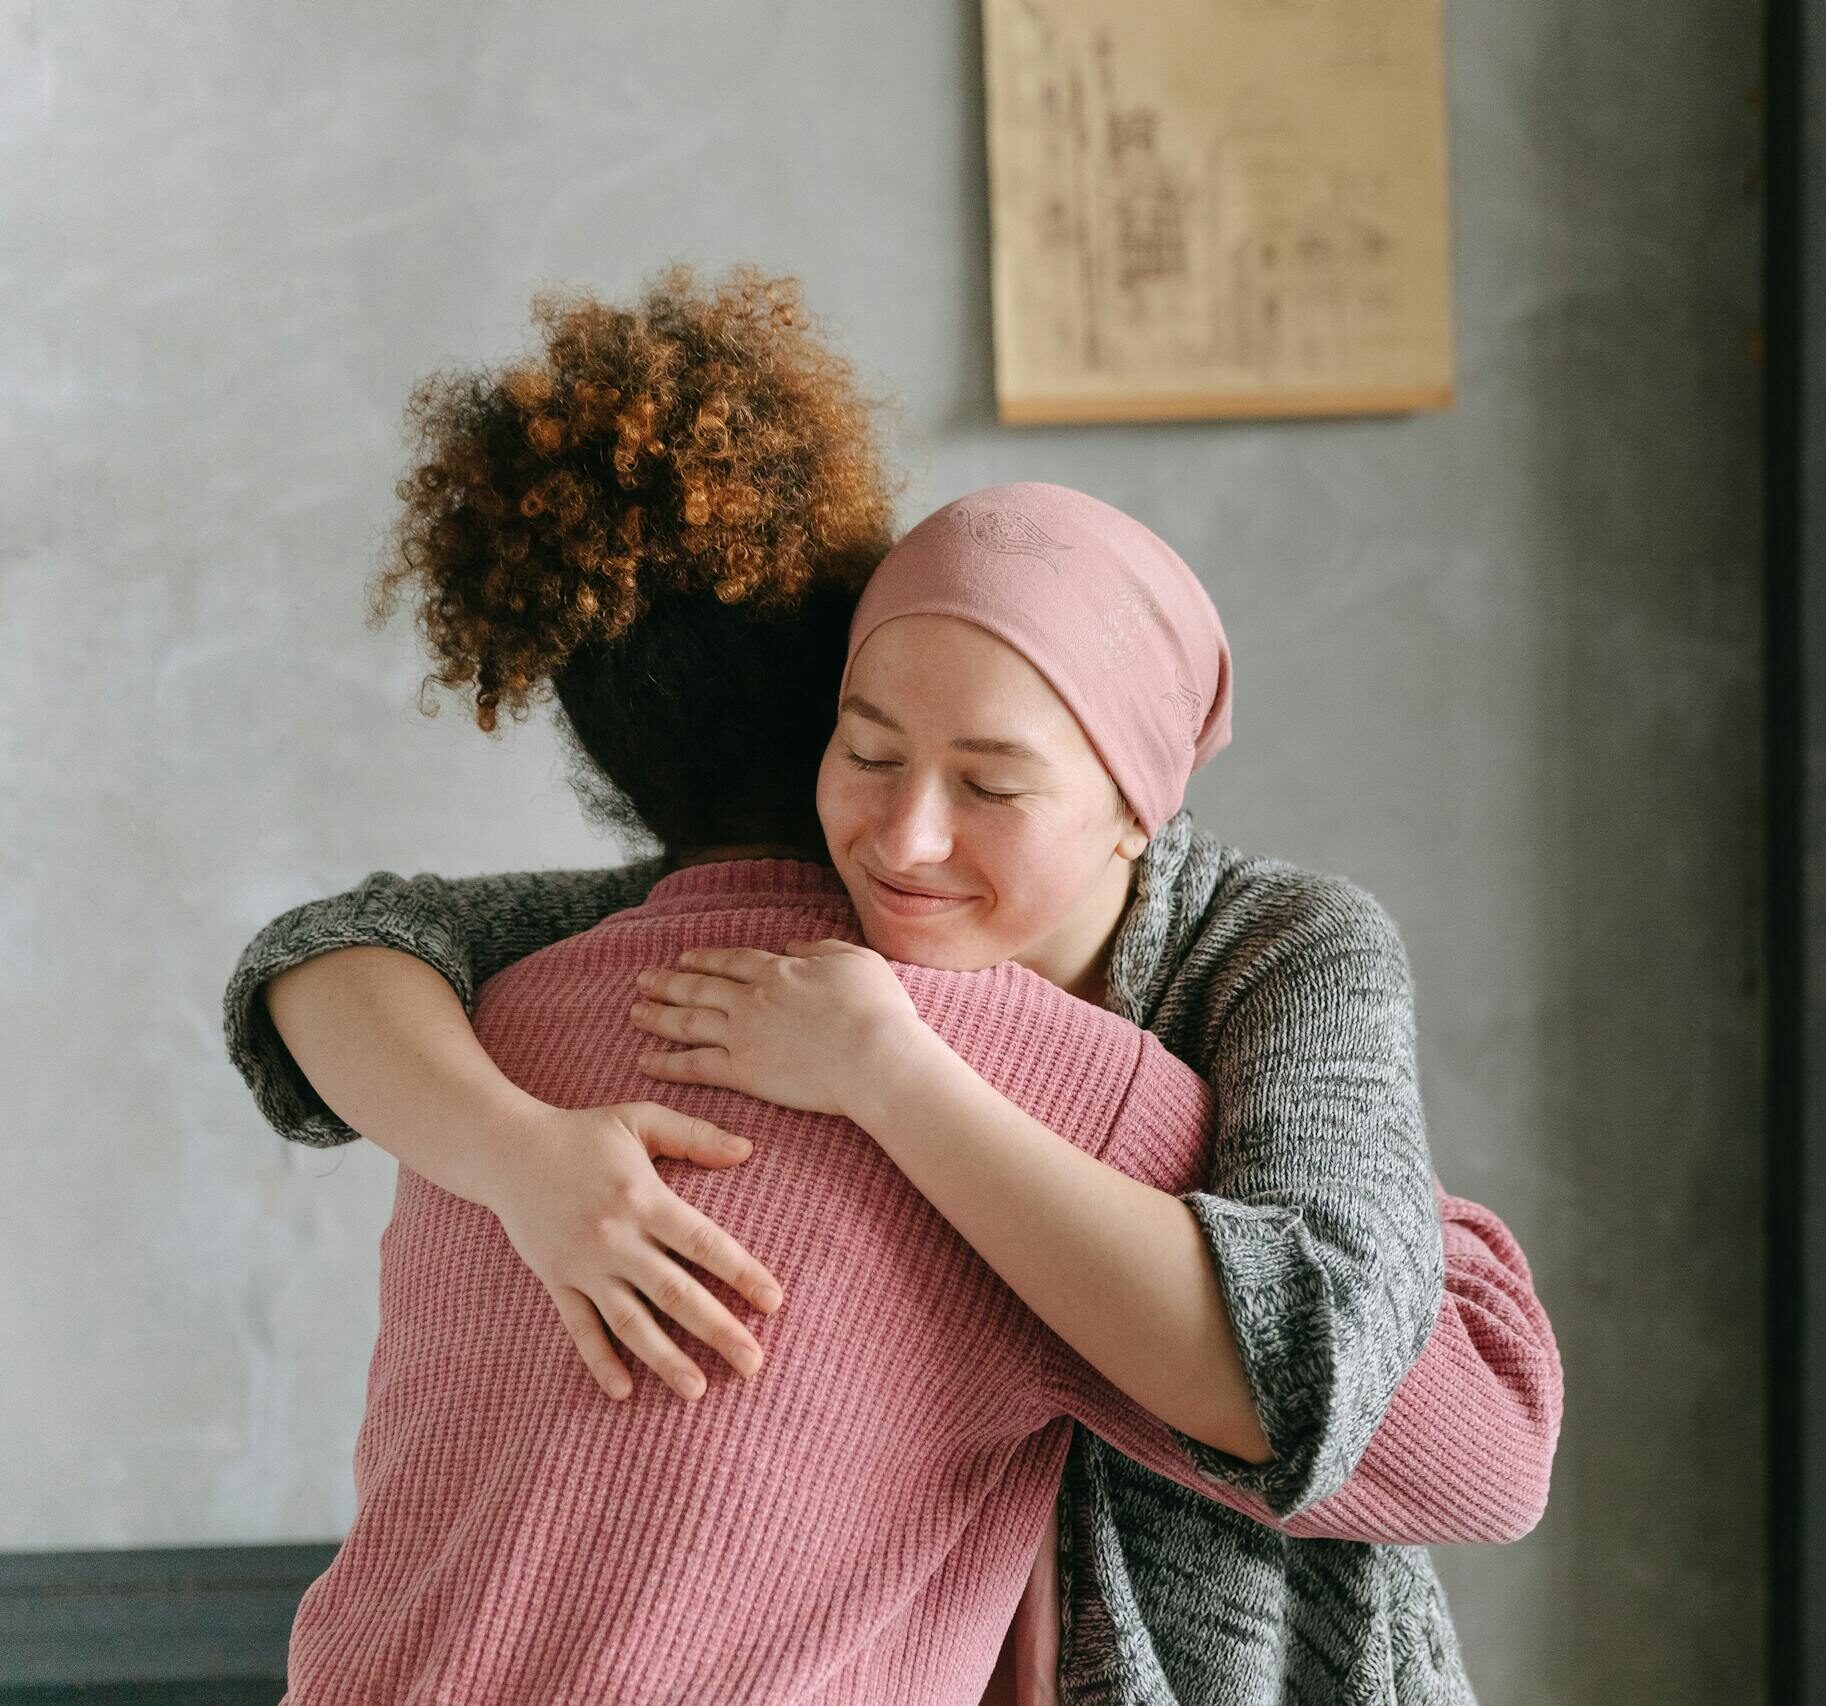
[[1500, 665]]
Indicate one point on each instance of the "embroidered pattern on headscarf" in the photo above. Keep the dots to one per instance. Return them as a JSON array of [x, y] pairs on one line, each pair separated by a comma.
[[1185, 699], [1008, 533], [1122, 623]]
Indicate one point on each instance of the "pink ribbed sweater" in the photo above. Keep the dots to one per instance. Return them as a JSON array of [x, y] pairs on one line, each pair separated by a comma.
[[858, 1522]]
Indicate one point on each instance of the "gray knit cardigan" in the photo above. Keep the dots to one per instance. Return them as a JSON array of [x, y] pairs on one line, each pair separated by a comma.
[[1290, 991]]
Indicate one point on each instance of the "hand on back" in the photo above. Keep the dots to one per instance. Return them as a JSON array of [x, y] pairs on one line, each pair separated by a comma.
[[581, 1201]]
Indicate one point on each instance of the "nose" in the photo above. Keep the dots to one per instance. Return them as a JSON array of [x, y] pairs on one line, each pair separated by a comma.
[[914, 829]]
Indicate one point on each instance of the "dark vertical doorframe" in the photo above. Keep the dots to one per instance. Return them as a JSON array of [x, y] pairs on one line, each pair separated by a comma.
[[1795, 751]]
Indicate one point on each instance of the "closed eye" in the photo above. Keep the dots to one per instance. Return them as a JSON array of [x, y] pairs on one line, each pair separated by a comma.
[[860, 763]]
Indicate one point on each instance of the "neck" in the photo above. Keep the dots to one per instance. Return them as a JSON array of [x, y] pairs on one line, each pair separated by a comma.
[[746, 850]]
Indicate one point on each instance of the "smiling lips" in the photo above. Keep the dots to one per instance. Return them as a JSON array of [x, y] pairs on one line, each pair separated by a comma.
[[911, 903]]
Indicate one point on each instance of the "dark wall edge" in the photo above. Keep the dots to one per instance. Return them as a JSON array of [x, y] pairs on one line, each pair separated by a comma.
[[144, 1615], [1795, 750]]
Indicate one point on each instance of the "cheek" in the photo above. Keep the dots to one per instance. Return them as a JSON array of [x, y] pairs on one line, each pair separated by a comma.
[[834, 810], [1041, 863], [1018, 853]]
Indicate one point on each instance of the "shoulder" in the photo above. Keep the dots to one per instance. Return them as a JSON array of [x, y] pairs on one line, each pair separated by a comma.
[[1302, 912], [1067, 1063], [588, 899], [1009, 1011], [600, 890], [1260, 929]]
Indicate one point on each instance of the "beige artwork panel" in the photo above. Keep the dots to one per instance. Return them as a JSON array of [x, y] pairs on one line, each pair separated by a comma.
[[1207, 208]]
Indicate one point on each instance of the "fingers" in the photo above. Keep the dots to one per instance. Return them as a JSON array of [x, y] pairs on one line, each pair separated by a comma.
[[665, 1131], [738, 965], [698, 1238], [635, 1267], [584, 1325], [680, 1024], [688, 989], [678, 1294], [689, 1066], [676, 1224], [627, 1318]]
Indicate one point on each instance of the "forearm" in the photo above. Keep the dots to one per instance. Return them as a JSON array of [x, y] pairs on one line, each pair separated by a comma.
[[464, 928], [1117, 1269], [385, 1040]]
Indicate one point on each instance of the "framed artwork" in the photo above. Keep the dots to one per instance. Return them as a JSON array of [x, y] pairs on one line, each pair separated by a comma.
[[1217, 208]]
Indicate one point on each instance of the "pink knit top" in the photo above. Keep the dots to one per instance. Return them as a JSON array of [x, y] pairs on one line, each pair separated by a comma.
[[856, 1524]]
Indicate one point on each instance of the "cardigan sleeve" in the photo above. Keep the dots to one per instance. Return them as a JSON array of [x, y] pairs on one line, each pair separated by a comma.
[[1320, 1216], [468, 928], [1464, 1451]]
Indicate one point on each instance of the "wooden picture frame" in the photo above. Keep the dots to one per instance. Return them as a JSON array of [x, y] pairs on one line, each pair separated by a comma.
[[1232, 210]]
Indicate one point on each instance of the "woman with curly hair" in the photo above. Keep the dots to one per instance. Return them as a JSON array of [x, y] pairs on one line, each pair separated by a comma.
[[667, 521]]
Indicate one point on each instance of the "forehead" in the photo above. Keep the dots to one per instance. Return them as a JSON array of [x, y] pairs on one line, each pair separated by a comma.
[[947, 678], [911, 654]]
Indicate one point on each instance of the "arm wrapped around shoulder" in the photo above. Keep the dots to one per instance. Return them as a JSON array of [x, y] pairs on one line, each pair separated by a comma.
[[381, 911], [465, 928], [1320, 1218]]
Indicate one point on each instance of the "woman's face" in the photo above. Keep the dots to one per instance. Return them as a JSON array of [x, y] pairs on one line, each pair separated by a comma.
[[966, 811]]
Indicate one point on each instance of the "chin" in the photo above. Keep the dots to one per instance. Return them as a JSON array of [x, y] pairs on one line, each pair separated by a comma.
[[892, 939]]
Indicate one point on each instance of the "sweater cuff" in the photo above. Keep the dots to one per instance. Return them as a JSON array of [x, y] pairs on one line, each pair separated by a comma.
[[377, 913], [1281, 1315]]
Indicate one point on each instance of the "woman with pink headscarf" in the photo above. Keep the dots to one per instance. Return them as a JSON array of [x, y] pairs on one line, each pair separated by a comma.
[[1034, 636], [1032, 677]]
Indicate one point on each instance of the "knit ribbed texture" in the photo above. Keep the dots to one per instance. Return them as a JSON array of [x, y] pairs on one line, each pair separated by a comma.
[[521, 1538], [1289, 992]]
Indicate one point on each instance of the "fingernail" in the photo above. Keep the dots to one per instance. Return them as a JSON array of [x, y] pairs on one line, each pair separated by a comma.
[[618, 1388], [767, 1298], [747, 1359], [737, 1145], [691, 1388]]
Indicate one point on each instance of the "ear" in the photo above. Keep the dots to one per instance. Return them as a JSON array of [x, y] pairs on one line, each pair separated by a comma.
[[1134, 840]]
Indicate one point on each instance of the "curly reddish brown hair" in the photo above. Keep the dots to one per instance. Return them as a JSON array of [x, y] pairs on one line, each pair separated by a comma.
[[704, 440], [665, 517]]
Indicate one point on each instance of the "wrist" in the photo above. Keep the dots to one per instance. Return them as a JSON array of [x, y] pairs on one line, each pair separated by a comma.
[[491, 1134], [905, 1059]]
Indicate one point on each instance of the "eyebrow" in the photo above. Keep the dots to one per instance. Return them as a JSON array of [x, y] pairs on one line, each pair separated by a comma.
[[856, 705]]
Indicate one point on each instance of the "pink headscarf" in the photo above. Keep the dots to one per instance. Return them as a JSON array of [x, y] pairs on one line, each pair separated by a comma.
[[1104, 609]]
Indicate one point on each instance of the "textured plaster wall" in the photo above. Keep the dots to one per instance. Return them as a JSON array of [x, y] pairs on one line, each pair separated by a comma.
[[1499, 665]]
